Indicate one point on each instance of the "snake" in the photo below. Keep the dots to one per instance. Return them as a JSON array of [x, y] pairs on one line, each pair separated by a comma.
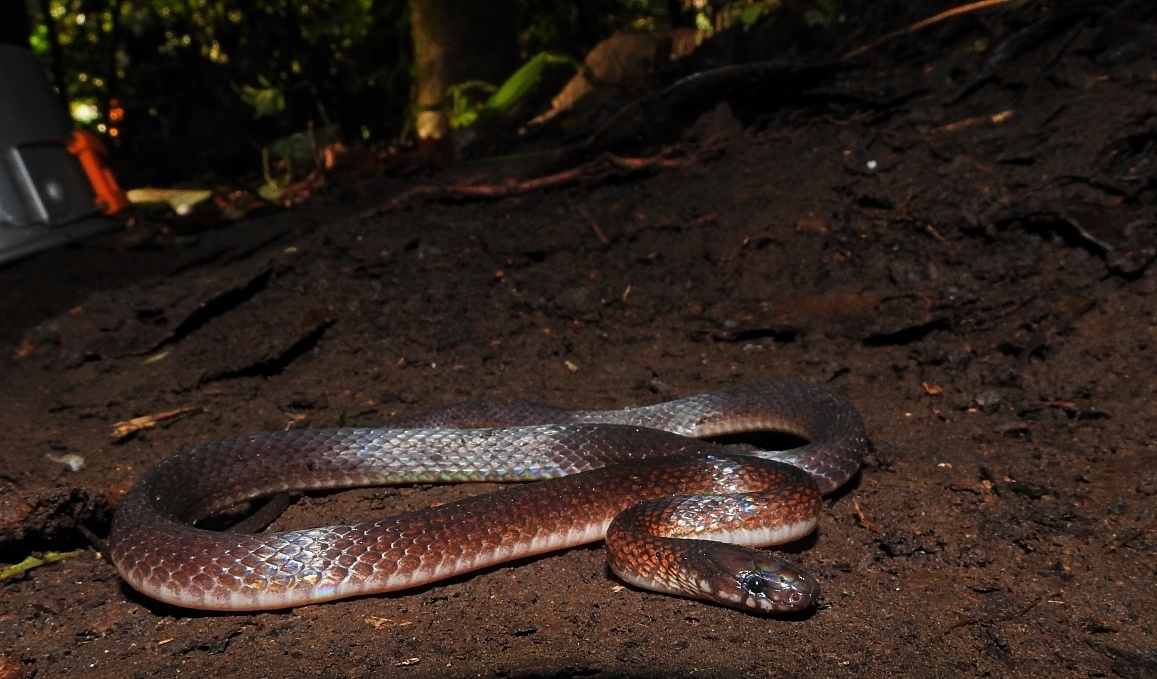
[[679, 515]]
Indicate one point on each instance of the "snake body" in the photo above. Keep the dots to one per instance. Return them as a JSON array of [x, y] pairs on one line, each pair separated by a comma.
[[668, 505]]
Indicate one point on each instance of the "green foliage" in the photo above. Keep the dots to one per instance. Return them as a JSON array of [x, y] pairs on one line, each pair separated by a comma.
[[300, 150], [524, 79], [712, 16], [30, 562], [267, 101], [465, 104], [39, 39], [753, 12], [467, 111], [206, 84]]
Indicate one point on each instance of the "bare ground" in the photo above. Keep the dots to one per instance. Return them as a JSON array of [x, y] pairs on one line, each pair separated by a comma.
[[965, 255]]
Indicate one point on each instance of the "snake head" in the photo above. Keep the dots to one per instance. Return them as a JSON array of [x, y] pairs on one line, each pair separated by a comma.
[[748, 580]]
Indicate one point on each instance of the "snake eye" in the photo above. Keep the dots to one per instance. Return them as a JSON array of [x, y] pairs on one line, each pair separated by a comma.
[[753, 583]]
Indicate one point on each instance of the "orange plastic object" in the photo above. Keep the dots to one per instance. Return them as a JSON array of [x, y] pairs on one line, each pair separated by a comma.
[[92, 156]]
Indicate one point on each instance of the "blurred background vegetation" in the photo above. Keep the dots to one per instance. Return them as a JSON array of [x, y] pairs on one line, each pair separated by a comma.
[[193, 90]]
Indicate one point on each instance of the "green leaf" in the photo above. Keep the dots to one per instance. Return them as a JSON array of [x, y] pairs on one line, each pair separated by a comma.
[[270, 190], [752, 13], [266, 101], [523, 81], [465, 111], [465, 108]]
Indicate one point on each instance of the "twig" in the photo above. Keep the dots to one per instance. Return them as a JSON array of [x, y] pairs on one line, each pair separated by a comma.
[[955, 11], [598, 169], [31, 562], [864, 521], [125, 429], [594, 224], [96, 541]]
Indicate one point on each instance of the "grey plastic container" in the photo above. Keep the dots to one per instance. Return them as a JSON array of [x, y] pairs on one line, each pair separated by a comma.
[[45, 197]]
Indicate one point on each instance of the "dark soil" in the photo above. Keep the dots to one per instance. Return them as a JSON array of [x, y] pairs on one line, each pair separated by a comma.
[[958, 240]]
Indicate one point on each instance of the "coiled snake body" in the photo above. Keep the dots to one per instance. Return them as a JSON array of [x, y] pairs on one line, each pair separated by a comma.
[[666, 504]]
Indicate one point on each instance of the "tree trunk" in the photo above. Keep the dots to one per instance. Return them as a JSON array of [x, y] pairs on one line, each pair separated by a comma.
[[456, 41]]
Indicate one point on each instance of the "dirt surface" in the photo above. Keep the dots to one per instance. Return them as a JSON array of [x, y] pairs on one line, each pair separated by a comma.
[[965, 254]]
